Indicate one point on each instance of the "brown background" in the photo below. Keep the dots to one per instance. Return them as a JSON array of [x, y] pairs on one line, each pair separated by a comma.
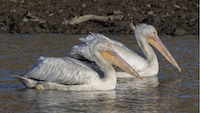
[[171, 17]]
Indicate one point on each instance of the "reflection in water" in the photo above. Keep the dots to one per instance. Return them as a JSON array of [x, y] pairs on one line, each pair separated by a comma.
[[134, 83], [62, 101], [127, 95], [170, 91]]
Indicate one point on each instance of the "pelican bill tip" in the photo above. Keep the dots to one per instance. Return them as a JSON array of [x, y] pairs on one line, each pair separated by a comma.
[[138, 76], [141, 78], [179, 69]]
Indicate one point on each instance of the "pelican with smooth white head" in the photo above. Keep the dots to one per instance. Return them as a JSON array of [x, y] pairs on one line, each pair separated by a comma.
[[73, 75], [144, 34]]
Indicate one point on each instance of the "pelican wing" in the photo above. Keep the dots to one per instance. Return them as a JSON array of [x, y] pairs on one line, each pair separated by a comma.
[[83, 52], [61, 70]]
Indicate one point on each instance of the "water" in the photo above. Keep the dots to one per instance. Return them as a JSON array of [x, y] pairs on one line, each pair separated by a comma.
[[171, 91]]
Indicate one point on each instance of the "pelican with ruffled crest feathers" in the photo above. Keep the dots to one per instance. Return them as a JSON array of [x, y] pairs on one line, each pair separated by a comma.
[[145, 35], [74, 75]]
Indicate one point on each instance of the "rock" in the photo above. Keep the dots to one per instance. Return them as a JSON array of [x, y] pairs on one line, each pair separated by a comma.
[[180, 31]]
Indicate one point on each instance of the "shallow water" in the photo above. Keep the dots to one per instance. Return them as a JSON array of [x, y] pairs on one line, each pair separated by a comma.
[[170, 91]]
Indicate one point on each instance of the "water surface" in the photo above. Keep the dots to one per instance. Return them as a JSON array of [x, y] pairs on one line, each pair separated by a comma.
[[170, 91]]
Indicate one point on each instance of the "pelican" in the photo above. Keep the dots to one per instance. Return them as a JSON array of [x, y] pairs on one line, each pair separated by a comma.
[[73, 75], [144, 34]]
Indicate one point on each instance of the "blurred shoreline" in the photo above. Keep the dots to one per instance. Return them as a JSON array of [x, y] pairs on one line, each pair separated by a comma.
[[170, 17]]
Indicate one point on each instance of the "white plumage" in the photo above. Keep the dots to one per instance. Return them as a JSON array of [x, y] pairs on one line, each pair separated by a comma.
[[144, 34], [71, 74]]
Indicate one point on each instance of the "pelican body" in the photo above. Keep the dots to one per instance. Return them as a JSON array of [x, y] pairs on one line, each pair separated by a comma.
[[144, 34], [73, 75]]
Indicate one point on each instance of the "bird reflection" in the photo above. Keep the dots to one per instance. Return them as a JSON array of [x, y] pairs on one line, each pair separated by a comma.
[[127, 94]]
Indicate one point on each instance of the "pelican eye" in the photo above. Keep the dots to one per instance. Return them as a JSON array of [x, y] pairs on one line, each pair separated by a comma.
[[154, 33]]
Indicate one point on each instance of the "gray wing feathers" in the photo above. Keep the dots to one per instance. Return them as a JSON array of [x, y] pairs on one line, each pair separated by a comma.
[[82, 51], [62, 70]]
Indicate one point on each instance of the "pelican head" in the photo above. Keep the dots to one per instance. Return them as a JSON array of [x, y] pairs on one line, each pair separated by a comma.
[[103, 47], [149, 33]]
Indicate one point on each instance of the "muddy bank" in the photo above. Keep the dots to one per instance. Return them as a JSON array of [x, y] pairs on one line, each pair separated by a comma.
[[170, 17]]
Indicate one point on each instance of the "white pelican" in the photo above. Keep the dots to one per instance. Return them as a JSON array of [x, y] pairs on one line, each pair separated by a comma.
[[144, 34], [73, 75]]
